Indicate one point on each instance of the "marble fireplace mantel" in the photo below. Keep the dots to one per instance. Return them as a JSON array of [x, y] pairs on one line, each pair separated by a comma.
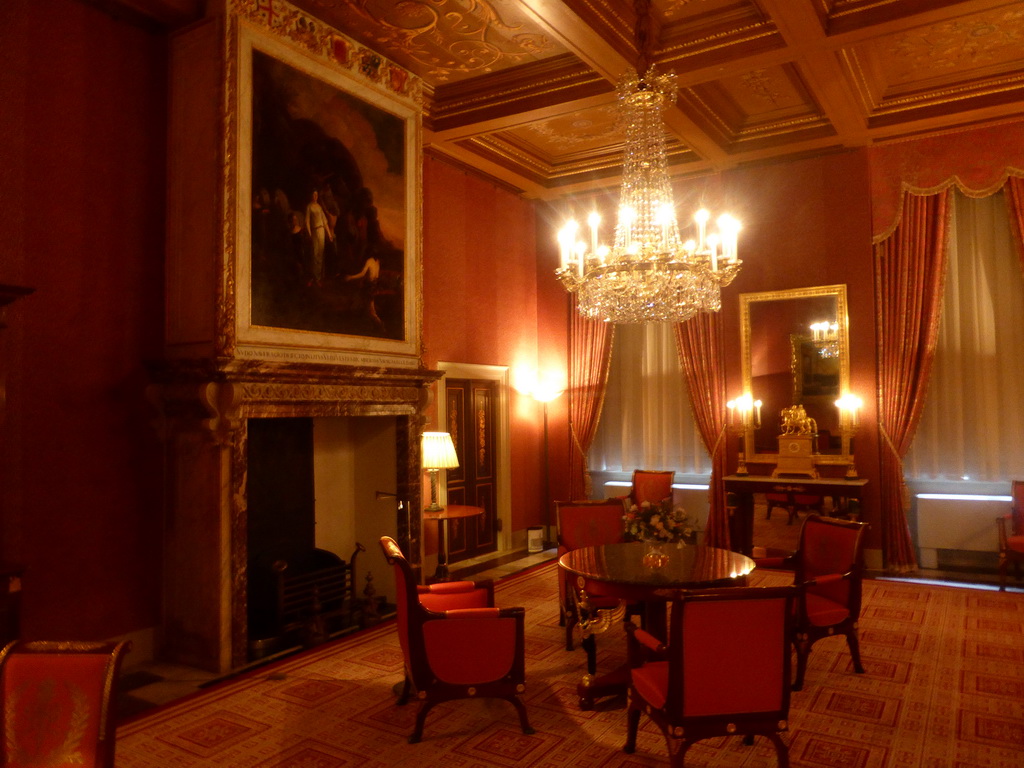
[[203, 411]]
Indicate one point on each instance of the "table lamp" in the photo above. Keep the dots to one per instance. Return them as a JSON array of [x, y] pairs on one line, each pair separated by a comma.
[[438, 452]]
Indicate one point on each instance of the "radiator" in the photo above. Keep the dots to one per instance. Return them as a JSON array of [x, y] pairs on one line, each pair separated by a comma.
[[961, 522]]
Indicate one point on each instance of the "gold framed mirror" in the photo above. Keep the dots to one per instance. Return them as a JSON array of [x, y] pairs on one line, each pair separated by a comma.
[[795, 351]]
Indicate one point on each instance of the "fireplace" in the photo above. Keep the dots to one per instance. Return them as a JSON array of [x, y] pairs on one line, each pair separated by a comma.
[[204, 411]]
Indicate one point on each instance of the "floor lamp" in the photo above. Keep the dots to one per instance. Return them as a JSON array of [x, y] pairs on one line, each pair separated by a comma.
[[545, 397], [438, 452]]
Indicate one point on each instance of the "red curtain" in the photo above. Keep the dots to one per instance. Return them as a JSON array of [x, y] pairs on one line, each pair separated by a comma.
[[701, 352], [1015, 203], [590, 354], [910, 268]]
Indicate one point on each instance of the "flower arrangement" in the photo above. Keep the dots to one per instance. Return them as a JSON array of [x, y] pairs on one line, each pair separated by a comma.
[[659, 522]]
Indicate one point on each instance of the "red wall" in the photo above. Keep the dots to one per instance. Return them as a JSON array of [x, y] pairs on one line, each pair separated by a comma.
[[82, 159], [481, 304]]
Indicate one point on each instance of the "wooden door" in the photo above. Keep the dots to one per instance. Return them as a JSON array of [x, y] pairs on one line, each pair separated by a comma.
[[471, 420]]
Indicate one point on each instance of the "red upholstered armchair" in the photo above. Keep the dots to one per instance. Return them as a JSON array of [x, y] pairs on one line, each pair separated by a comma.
[[456, 644], [725, 670], [73, 684], [652, 485], [584, 524], [1011, 535], [829, 569]]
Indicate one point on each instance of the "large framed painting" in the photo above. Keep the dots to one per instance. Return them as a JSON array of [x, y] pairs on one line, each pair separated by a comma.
[[327, 207]]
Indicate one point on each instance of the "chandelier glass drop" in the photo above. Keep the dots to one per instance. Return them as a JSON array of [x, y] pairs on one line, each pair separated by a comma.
[[650, 274]]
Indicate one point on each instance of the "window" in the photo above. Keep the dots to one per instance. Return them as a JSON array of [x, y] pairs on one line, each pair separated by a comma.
[[647, 422], [972, 426]]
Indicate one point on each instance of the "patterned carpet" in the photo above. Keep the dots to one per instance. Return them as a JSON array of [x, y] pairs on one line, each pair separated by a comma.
[[944, 688]]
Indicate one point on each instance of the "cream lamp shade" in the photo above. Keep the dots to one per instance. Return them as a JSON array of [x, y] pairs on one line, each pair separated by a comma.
[[437, 452]]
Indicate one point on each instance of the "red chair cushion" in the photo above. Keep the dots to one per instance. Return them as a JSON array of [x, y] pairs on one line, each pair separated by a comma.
[[746, 633], [651, 682], [442, 600], [652, 486], [470, 651], [52, 709], [1016, 543], [823, 612]]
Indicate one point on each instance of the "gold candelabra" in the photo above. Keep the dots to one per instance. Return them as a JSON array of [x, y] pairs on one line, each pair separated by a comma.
[[849, 410], [744, 417]]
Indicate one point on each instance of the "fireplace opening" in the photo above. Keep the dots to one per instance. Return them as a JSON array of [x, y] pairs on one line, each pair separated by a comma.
[[320, 494]]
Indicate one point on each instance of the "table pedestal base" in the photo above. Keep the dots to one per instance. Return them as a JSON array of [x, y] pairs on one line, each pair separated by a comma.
[[592, 688]]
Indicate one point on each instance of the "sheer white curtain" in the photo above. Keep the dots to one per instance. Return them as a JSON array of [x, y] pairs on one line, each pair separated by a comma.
[[973, 423], [647, 422]]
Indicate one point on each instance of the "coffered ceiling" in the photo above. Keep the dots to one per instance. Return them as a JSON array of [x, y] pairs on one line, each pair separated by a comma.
[[524, 90]]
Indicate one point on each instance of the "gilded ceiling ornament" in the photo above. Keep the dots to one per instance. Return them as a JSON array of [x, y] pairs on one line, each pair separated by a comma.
[[760, 83], [963, 42], [450, 37], [569, 132]]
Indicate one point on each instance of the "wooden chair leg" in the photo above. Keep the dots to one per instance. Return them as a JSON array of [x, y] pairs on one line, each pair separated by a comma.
[[781, 750], [632, 725], [854, 643], [403, 697], [803, 650], [524, 721], [421, 718]]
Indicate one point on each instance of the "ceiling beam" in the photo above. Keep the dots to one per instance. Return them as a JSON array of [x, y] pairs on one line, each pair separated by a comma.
[[807, 42]]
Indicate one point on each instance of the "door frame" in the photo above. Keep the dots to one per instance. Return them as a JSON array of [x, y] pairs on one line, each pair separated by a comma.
[[500, 374]]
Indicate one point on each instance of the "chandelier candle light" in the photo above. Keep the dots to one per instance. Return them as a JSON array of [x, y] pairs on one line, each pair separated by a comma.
[[649, 274]]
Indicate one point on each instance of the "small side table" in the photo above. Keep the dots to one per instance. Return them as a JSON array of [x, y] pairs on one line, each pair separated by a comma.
[[451, 512]]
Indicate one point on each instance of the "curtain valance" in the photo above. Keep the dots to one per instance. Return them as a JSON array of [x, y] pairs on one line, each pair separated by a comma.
[[976, 162]]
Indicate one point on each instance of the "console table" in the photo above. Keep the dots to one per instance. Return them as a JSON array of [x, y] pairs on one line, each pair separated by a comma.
[[741, 523], [443, 518]]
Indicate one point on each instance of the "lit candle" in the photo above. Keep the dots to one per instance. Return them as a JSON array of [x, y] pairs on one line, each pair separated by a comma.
[[849, 406], [731, 405], [701, 217], [566, 238], [581, 252], [713, 245], [729, 229], [757, 407]]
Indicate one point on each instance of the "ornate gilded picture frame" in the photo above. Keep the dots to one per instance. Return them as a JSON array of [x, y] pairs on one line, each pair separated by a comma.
[[327, 258]]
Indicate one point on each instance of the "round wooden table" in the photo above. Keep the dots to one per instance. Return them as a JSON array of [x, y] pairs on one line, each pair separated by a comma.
[[636, 572], [443, 518]]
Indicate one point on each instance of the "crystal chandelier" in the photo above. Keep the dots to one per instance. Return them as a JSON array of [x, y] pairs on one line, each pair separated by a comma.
[[825, 336], [649, 274]]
